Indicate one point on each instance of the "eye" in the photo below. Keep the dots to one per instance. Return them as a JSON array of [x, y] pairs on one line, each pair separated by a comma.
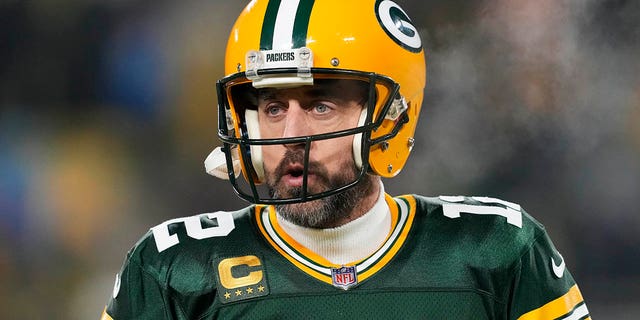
[[274, 110], [321, 108]]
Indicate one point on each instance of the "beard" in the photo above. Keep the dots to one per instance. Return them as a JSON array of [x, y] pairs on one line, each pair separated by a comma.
[[324, 212]]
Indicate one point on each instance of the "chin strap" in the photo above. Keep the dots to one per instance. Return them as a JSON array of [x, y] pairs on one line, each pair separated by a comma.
[[216, 163]]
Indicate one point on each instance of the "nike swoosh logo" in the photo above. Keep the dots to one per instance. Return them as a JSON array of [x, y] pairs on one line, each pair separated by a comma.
[[116, 286], [558, 268]]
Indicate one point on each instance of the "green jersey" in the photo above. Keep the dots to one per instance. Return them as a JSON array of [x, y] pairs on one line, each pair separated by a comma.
[[444, 258]]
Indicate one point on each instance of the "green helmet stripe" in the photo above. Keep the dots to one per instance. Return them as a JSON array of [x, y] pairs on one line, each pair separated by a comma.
[[281, 30], [301, 25], [268, 25]]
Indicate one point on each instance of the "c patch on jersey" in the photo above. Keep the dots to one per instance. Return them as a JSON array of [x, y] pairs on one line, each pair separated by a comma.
[[240, 278]]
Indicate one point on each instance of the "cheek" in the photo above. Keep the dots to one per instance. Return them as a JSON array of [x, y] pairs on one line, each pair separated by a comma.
[[334, 150], [271, 156]]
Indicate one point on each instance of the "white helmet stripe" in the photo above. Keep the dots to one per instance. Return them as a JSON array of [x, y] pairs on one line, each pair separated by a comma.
[[283, 29], [285, 24]]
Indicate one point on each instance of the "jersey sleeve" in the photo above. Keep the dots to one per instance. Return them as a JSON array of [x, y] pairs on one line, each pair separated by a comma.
[[544, 288], [136, 295]]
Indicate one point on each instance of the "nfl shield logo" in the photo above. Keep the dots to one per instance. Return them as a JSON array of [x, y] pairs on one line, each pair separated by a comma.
[[344, 277]]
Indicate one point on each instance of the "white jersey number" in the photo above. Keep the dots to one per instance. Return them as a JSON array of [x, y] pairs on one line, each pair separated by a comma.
[[194, 228], [494, 206]]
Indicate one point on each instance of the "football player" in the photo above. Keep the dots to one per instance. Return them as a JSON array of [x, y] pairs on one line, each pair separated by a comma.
[[320, 100]]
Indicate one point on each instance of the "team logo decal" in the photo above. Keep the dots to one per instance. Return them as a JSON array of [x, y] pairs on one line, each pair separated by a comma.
[[397, 25], [241, 278], [344, 277]]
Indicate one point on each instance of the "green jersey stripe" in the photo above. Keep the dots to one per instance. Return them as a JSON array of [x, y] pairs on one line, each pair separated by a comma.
[[403, 212], [288, 249]]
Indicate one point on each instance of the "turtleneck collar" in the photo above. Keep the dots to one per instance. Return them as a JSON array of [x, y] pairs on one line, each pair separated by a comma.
[[350, 242]]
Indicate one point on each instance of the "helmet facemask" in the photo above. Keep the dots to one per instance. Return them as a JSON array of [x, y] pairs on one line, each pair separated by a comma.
[[239, 129]]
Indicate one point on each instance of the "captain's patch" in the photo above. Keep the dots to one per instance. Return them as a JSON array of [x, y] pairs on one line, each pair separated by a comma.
[[240, 278]]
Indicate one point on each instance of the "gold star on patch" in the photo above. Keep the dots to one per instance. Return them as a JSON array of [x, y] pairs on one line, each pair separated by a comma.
[[227, 295], [238, 293], [249, 290], [261, 289]]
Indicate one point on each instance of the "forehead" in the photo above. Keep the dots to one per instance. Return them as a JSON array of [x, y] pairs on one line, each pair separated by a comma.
[[322, 88]]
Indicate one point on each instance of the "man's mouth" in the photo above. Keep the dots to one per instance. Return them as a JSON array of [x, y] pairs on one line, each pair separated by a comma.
[[293, 175]]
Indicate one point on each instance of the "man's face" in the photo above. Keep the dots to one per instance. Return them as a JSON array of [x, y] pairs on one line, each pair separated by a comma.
[[328, 106]]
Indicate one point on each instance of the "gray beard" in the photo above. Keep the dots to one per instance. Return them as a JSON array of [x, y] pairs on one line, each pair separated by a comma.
[[325, 212]]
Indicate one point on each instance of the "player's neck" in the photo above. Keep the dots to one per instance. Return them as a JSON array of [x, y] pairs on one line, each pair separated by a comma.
[[363, 205], [352, 241]]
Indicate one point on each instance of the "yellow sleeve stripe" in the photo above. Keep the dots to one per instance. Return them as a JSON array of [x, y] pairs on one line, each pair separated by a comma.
[[558, 307], [105, 315]]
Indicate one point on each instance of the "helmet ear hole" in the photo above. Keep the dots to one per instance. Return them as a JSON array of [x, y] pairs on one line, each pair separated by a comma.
[[253, 131], [357, 140]]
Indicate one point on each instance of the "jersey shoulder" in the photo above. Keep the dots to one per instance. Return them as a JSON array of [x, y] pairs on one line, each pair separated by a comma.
[[171, 268], [191, 237], [496, 242], [480, 224], [467, 209]]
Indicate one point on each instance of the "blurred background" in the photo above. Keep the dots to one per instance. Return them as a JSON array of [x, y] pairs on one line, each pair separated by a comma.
[[108, 109]]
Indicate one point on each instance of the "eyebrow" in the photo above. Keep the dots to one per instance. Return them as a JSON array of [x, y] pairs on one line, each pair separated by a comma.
[[315, 91], [266, 94]]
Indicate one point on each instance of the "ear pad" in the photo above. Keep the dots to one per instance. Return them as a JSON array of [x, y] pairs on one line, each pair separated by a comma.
[[253, 130], [357, 140]]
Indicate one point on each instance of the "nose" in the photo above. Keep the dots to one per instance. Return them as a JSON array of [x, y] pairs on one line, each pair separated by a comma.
[[296, 124]]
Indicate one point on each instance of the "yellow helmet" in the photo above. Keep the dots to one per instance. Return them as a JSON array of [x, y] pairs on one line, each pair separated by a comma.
[[285, 43]]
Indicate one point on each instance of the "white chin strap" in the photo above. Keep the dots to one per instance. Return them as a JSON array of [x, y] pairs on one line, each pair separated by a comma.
[[357, 140], [216, 163]]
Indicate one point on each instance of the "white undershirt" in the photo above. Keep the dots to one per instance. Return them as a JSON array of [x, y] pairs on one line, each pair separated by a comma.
[[350, 242]]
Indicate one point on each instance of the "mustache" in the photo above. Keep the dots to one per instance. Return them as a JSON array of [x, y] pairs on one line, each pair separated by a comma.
[[292, 157]]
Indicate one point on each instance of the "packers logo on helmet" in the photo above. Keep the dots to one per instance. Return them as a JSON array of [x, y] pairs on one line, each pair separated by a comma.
[[398, 25]]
